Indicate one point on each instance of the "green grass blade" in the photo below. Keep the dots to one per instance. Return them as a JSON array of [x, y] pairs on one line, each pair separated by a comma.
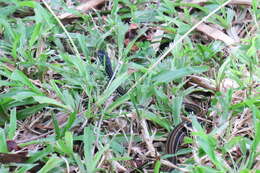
[[3, 144], [21, 77], [69, 141], [36, 33], [43, 99], [34, 157], [114, 85], [13, 124], [171, 75], [89, 140], [71, 120], [56, 126], [53, 162]]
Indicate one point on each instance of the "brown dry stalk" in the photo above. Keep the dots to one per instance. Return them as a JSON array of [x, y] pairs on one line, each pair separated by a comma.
[[215, 34], [147, 138], [83, 7], [233, 2]]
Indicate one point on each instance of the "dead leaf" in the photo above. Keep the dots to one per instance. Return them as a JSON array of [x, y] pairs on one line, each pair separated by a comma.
[[133, 26], [228, 83], [234, 2], [12, 145], [147, 138], [156, 39], [61, 118], [13, 158], [202, 82], [83, 7], [216, 34]]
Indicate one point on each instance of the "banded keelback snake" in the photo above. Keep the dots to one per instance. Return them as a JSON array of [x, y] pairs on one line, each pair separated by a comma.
[[176, 136], [105, 61]]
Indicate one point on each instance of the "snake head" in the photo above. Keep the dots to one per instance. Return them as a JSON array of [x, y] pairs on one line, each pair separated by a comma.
[[102, 56]]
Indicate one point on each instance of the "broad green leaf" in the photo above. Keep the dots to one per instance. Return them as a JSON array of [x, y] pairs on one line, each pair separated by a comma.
[[61, 147], [69, 99], [13, 124], [232, 142], [36, 33], [40, 154], [57, 90], [24, 95], [120, 28], [16, 41], [99, 155], [89, 139], [47, 100], [171, 75], [3, 144], [7, 10], [25, 168], [117, 103], [70, 121], [21, 77], [157, 166], [4, 169], [27, 3], [207, 143], [156, 119], [69, 141], [30, 111], [176, 108], [121, 158], [56, 126], [53, 162], [114, 85], [79, 163], [247, 102], [256, 141]]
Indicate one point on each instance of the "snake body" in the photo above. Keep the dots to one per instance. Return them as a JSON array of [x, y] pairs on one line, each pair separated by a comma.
[[105, 61], [177, 135]]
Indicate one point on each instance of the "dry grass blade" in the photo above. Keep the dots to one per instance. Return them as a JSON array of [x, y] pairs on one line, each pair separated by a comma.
[[13, 157], [83, 7], [171, 165], [241, 2], [156, 38], [215, 34], [233, 2], [146, 137], [202, 82], [117, 166], [257, 165]]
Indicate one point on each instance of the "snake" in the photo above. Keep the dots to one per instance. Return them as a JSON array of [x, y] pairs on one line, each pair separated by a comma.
[[176, 136], [106, 62]]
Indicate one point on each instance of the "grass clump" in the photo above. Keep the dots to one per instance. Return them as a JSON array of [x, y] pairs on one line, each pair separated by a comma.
[[59, 112]]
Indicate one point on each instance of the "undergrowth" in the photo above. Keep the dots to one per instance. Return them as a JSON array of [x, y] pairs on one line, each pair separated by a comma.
[[59, 112]]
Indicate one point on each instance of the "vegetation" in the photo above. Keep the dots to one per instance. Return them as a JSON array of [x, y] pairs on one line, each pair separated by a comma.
[[59, 112]]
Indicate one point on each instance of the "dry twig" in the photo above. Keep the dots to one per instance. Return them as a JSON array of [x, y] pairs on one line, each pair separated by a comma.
[[233, 2], [83, 7]]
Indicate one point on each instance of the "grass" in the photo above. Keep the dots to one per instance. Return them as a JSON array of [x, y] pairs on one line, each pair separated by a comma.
[[57, 105]]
